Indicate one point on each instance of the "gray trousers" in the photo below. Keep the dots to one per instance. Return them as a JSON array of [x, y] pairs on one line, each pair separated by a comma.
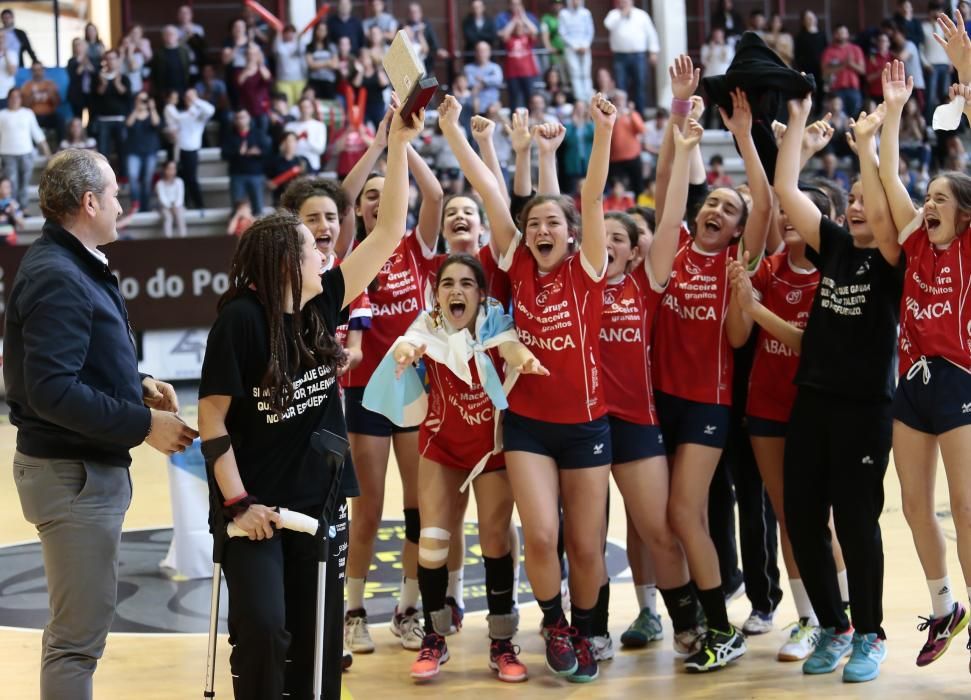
[[19, 169], [78, 508]]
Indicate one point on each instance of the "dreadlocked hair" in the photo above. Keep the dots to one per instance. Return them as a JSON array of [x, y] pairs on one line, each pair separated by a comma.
[[267, 263]]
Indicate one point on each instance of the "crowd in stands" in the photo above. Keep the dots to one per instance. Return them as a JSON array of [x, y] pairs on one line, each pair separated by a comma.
[[288, 103]]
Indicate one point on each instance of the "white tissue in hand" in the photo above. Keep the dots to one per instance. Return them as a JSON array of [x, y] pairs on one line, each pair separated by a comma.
[[948, 117]]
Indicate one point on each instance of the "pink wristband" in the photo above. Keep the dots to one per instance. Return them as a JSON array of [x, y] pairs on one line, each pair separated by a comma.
[[681, 108]]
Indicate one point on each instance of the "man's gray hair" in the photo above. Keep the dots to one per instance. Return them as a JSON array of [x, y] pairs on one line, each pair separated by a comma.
[[68, 175]]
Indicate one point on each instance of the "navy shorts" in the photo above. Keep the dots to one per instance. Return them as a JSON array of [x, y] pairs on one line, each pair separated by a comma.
[[633, 441], [690, 422], [364, 422], [938, 405], [570, 445], [765, 427]]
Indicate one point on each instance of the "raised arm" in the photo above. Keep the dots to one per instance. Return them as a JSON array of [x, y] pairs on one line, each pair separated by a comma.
[[366, 260], [548, 138], [798, 207], [740, 124], [878, 213], [482, 131], [684, 81], [521, 140], [593, 246], [956, 44], [661, 255], [432, 198], [478, 174], [897, 88]]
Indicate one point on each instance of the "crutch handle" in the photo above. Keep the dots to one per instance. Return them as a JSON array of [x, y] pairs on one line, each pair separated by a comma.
[[292, 520]]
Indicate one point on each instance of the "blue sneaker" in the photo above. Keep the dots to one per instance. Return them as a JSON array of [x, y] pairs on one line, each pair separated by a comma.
[[830, 649], [869, 651]]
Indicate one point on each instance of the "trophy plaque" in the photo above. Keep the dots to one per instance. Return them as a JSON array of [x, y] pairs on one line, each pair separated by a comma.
[[407, 75]]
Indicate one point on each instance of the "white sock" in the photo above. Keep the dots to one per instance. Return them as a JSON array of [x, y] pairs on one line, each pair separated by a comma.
[[942, 598], [800, 597], [455, 579], [355, 593], [647, 597], [844, 585], [408, 596]]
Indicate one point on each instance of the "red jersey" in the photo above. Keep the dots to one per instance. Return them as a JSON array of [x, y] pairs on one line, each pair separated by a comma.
[[520, 62], [558, 316], [788, 292], [692, 357], [935, 316], [459, 428], [497, 281], [397, 298], [625, 347]]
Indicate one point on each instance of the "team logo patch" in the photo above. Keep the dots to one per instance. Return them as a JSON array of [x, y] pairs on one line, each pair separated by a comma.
[[691, 268], [149, 602], [553, 287], [389, 265], [794, 296], [608, 298]]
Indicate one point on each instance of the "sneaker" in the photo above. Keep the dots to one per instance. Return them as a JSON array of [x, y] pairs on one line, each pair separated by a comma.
[[434, 653], [347, 658], [356, 635], [458, 614], [830, 648], [603, 647], [561, 658], [409, 628], [504, 658], [735, 593], [869, 651], [645, 628], [940, 632], [587, 669], [690, 640], [757, 623], [801, 642], [717, 651]]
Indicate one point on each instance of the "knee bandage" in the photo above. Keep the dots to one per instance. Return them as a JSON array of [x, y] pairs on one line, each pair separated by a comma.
[[412, 525], [433, 536]]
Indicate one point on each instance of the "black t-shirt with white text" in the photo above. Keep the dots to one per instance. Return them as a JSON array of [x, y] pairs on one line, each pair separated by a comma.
[[273, 452], [849, 347]]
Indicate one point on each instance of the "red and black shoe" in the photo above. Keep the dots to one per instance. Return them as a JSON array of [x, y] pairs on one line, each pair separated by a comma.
[[561, 658]]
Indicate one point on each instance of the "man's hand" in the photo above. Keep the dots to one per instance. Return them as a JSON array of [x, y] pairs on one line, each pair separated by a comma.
[[159, 395], [168, 433]]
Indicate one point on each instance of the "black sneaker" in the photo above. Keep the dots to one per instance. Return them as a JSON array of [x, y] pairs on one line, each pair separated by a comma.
[[561, 658], [587, 669], [717, 650]]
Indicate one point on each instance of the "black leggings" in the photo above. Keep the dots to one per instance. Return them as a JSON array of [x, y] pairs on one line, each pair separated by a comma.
[[836, 455], [272, 610]]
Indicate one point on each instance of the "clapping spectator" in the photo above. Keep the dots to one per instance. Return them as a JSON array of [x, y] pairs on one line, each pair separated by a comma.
[[374, 81], [716, 57], [234, 53], [843, 66], [321, 56], [76, 137], [185, 26], [142, 146], [291, 68], [625, 144], [135, 54], [285, 165], [80, 77], [484, 76], [17, 40], [111, 104], [8, 69], [343, 23], [95, 47], [634, 44], [171, 65], [478, 26], [256, 27], [521, 69], [254, 88], [423, 34], [170, 193], [246, 150], [43, 98], [577, 31], [311, 134], [384, 21], [189, 126], [193, 37], [20, 134], [779, 40]]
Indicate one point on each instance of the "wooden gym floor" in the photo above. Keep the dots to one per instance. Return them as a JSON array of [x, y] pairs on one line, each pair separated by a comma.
[[171, 667]]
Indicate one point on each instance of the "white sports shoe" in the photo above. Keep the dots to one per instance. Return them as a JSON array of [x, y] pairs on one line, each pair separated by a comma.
[[409, 628], [357, 638], [801, 643], [603, 647], [757, 623]]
